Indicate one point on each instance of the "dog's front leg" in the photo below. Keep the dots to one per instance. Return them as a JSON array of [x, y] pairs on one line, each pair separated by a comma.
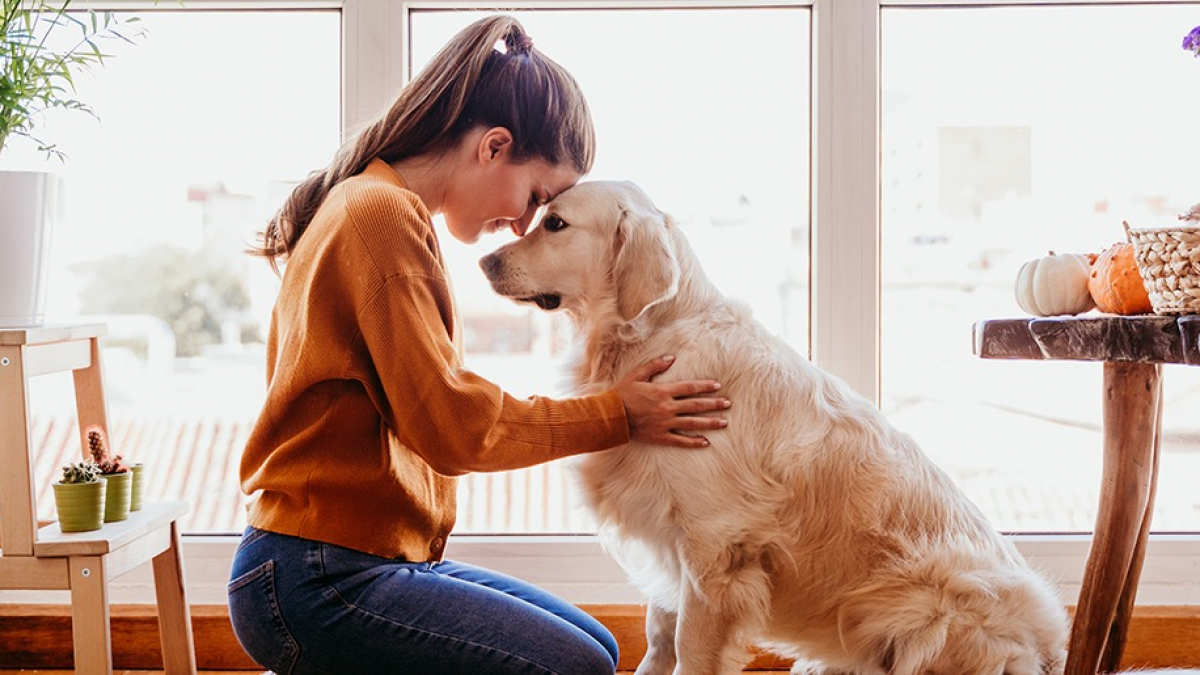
[[660, 642], [725, 598], [711, 622]]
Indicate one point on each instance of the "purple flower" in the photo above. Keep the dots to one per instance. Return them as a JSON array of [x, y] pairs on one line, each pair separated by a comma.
[[1192, 42]]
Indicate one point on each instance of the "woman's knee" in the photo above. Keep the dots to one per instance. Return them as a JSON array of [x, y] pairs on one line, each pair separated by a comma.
[[595, 658]]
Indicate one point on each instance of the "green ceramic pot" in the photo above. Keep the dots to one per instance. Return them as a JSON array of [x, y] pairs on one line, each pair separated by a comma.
[[80, 505], [117, 499], [139, 484]]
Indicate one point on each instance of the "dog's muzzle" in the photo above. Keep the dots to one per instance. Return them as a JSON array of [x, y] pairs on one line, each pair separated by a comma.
[[493, 268]]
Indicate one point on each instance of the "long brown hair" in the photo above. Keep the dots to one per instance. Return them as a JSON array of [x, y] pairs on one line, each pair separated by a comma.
[[469, 83]]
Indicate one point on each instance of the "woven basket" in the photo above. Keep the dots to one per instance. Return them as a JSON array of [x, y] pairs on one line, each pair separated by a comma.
[[1168, 258]]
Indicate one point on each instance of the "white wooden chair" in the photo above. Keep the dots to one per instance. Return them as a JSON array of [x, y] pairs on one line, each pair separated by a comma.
[[45, 558]]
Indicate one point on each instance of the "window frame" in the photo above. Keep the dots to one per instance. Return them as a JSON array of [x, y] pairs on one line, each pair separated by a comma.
[[845, 273]]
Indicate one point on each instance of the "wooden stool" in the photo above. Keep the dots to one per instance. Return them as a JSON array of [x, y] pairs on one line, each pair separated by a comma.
[[45, 558]]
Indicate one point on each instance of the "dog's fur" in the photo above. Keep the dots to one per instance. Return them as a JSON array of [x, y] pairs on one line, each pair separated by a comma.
[[810, 526]]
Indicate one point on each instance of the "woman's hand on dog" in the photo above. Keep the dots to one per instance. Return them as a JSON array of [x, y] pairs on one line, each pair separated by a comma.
[[669, 413]]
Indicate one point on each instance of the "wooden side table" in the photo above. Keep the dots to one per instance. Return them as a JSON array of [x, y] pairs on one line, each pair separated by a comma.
[[1133, 349]]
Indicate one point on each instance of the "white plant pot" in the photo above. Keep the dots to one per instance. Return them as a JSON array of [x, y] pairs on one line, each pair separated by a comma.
[[28, 201]]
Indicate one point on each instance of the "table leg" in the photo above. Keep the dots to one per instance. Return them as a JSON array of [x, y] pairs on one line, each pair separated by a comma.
[[1132, 409], [1111, 661]]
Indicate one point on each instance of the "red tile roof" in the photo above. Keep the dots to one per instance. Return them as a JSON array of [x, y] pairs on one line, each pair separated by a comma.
[[191, 460], [196, 460]]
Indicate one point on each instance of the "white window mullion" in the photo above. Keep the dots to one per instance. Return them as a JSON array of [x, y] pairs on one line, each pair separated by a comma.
[[374, 45], [845, 192]]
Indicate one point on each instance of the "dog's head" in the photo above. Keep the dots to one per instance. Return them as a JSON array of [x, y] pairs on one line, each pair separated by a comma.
[[598, 242]]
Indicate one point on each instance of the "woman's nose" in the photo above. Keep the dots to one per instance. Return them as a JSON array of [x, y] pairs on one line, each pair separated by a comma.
[[521, 225]]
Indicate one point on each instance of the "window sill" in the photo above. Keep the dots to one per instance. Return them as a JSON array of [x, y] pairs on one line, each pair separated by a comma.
[[576, 568]]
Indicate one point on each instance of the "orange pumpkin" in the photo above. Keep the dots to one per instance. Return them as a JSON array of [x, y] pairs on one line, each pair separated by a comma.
[[1115, 283]]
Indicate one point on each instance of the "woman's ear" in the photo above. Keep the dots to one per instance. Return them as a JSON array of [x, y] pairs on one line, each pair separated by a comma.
[[496, 143]]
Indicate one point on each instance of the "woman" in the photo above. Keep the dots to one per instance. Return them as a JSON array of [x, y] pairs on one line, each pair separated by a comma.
[[370, 414]]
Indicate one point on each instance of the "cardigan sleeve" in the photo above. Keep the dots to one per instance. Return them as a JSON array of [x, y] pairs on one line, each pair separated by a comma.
[[456, 420]]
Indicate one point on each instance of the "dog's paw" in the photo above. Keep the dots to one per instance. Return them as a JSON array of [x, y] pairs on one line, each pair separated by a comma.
[[655, 666]]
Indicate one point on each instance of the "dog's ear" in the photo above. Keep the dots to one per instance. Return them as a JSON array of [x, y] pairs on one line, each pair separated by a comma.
[[645, 270]]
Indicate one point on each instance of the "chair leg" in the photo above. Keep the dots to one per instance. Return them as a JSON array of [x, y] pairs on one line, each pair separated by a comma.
[[89, 616], [174, 615], [90, 405]]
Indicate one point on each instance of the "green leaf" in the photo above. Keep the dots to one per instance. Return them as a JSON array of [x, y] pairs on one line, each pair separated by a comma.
[[38, 75]]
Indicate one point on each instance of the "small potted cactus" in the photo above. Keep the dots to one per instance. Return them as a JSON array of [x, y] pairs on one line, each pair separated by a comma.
[[79, 497], [119, 493]]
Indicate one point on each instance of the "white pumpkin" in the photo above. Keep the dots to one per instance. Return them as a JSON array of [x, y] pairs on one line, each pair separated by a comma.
[[1055, 285]]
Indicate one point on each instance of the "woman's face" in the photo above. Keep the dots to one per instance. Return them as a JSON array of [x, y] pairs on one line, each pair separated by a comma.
[[494, 192]]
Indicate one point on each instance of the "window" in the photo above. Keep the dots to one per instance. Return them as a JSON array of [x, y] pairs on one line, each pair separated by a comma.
[[1008, 132], [1101, 120], [196, 147]]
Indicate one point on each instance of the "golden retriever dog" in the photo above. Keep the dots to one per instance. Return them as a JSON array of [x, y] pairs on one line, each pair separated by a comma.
[[810, 527]]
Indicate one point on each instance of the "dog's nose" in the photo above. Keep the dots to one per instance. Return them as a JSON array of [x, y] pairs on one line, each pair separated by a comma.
[[490, 264]]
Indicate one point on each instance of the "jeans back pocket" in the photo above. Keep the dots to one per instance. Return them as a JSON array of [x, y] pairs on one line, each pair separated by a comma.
[[257, 621]]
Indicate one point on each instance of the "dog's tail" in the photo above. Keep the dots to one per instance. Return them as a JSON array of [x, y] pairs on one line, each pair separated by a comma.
[[955, 609]]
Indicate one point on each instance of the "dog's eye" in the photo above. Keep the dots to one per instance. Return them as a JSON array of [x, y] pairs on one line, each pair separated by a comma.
[[554, 224]]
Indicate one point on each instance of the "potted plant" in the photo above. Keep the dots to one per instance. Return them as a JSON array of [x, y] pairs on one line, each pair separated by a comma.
[[42, 48], [119, 493], [79, 498], [137, 487]]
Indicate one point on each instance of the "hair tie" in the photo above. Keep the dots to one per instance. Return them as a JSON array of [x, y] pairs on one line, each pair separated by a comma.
[[517, 43]]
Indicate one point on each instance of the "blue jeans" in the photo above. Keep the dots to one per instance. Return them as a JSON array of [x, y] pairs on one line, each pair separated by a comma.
[[301, 606]]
